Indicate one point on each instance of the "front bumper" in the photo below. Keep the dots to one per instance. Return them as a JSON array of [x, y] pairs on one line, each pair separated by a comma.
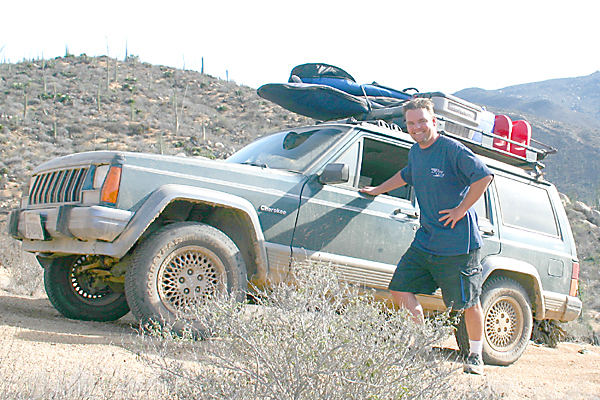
[[68, 222]]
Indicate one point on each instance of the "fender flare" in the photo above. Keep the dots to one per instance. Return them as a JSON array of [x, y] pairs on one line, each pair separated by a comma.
[[498, 265], [165, 195]]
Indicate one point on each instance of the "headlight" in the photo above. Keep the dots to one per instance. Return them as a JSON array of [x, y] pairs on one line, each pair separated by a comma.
[[100, 175]]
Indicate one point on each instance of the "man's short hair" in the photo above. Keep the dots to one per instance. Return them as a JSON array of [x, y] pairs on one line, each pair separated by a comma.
[[418, 103]]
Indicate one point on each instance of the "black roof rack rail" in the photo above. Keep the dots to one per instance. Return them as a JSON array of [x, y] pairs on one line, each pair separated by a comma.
[[531, 160]]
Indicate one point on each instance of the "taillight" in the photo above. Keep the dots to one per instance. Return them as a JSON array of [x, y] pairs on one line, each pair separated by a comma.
[[110, 188], [574, 280]]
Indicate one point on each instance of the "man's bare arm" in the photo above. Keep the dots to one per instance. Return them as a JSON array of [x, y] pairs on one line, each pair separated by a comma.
[[394, 182]]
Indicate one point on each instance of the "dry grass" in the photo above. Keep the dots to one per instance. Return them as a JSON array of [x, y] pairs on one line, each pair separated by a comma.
[[23, 274], [318, 339]]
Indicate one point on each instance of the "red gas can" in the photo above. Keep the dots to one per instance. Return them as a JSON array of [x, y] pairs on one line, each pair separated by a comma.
[[521, 132], [502, 127]]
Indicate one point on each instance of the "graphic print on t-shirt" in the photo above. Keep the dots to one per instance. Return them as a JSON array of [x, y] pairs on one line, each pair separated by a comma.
[[437, 173]]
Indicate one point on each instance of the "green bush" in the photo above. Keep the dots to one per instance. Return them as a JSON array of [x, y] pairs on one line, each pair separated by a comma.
[[63, 97], [203, 152], [318, 338]]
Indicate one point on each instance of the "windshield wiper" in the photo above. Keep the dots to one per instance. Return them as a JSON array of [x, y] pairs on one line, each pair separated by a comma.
[[256, 164]]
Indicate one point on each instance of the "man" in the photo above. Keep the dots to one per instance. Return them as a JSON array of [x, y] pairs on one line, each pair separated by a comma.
[[448, 179]]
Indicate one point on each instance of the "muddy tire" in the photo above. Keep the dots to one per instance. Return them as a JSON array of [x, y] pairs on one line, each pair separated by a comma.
[[82, 295], [177, 267]]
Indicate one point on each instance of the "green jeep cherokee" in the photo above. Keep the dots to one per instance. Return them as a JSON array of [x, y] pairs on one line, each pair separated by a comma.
[[116, 231]]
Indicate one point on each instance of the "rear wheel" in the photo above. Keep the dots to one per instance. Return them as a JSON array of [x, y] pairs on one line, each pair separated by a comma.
[[508, 322], [179, 266], [77, 292]]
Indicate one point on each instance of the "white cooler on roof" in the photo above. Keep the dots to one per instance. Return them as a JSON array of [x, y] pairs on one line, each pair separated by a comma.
[[452, 108]]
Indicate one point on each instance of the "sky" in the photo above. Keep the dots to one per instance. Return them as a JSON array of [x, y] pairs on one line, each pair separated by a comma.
[[431, 45]]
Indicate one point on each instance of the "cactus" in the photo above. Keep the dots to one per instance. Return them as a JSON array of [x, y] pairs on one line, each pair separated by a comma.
[[161, 144], [24, 105], [42, 104], [107, 73], [107, 66], [176, 113], [132, 108], [98, 100]]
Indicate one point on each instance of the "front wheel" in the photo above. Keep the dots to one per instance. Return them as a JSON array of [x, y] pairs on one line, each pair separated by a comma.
[[78, 293], [508, 322], [177, 267]]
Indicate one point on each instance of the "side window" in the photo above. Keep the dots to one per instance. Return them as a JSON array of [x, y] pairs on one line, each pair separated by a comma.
[[380, 161], [526, 206]]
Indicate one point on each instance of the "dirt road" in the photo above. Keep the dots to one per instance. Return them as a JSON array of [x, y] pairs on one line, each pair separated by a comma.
[[35, 338]]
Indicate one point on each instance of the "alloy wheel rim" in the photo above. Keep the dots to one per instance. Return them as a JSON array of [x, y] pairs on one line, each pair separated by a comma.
[[504, 324], [188, 276]]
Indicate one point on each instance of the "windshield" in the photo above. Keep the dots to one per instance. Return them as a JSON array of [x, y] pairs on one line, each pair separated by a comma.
[[292, 150]]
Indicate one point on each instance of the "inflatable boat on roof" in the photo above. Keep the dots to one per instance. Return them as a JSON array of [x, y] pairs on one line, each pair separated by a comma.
[[325, 92]]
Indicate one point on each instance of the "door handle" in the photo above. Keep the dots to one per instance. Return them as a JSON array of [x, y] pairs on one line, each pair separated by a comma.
[[487, 230], [409, 213]]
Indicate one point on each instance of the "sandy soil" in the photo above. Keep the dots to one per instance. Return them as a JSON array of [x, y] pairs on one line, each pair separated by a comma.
[[36, 338]]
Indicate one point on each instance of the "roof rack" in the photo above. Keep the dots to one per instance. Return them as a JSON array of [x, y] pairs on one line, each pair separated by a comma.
[[529, 162], [473, 126]]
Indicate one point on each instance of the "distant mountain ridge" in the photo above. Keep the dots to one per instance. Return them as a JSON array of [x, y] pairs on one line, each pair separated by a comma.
[[574, 101], [565, 114]]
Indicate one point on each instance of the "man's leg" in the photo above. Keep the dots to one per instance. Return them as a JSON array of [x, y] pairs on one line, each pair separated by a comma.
[[474, 324], [410, 302]]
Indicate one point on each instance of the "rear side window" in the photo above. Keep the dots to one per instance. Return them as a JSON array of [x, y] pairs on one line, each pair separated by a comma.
[[526, 206], [481, 207]]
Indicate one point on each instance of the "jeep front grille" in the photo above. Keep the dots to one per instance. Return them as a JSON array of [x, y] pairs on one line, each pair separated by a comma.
[[58, 187]]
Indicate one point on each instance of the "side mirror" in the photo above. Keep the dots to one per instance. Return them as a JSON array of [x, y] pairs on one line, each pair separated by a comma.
[[335, 173]]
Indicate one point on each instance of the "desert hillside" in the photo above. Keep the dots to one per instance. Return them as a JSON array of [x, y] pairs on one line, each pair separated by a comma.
[[50, 108]]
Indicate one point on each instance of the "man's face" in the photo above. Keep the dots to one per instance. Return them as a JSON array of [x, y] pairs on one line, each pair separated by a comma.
[[422, 127]]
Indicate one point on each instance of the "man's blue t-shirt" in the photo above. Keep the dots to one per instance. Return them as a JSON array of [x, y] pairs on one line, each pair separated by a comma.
[[441, 175]]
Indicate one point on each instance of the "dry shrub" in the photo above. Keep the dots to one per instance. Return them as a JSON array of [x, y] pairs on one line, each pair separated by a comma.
[[25, 273], [549, 333], [317, 339]]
